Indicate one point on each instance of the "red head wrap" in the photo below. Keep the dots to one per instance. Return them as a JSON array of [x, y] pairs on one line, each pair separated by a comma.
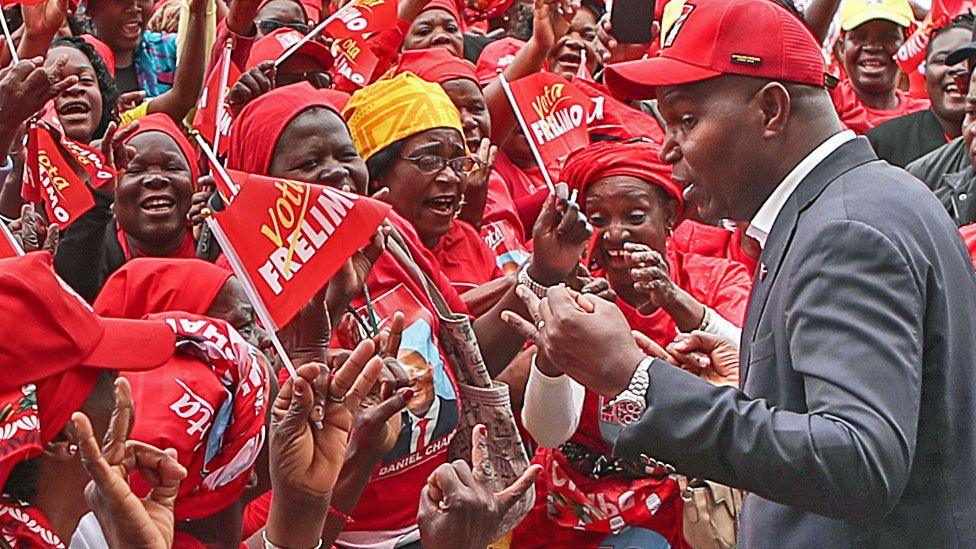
[[436, 65], [259, 126], [151, 285], [450, 6], [608, 158], [103, 51], [159, 122], [495, 57]]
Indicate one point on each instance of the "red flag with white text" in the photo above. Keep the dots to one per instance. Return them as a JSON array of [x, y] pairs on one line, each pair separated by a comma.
[[213, 115], [354, 61], [51, 179], [609, 118], [290, 237], [555, 113], [912, 52], [362, 17], [89, 159]]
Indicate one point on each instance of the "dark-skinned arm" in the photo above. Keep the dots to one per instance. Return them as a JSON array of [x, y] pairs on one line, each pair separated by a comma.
[[818, 16], [188, 80]]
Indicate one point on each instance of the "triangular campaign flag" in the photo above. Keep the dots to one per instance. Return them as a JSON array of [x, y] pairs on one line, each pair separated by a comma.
[[90, 160], [65, 195], [555, 114], [362, 17], [288, 237], [354, 61], [912, 52], [213, 115], [610, 119]]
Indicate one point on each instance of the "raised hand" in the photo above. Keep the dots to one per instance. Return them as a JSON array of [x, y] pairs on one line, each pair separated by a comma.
[[560, 236], [114, 150], [27, 86], [351, 277], [458, 507], [126, 520], [251, 85], [712, 358], [651, 276], [33, 233], [43, 20]]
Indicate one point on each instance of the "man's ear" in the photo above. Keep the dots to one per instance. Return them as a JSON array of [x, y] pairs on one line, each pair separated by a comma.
[[774, 100]]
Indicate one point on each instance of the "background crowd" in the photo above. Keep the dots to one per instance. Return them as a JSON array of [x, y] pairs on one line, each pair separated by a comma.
[[143, 403]]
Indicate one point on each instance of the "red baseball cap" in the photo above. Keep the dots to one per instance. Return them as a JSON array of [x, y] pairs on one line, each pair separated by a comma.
[[51, 351], [702, 39], [270, 48]]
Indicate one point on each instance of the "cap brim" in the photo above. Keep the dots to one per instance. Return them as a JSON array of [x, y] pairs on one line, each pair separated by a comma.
[[319, 53], [870, 15], [639, 79], [961, 54], [132, 345]]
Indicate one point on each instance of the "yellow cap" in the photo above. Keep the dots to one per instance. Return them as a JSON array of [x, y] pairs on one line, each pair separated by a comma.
[[854, 13], [389, 110]]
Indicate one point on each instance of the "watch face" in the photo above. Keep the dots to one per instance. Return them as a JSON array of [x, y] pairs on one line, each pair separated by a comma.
[[627, 411]]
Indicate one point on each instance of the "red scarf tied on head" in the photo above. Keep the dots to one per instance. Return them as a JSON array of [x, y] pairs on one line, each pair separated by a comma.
[[152, 285], [260, 124], [450, 6], [159, 122], [605, 159], [436, 65]]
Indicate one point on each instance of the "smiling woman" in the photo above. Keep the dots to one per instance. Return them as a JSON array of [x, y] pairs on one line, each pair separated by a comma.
[[86, 108]]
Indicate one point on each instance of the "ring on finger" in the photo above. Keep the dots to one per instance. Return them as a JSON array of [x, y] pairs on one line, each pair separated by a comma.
[[540, 324], [337, 400]]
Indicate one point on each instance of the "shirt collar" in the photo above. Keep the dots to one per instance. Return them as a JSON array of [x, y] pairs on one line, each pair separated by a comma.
[[763, 221]]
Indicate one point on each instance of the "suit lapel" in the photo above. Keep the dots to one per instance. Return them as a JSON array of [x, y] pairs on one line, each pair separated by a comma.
[[846, 157]]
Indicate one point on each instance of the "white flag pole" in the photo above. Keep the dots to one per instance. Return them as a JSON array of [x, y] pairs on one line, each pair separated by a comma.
[[216, 166], [222, 89], [525, 131], [9, 38], [311, 34], [252, 293]]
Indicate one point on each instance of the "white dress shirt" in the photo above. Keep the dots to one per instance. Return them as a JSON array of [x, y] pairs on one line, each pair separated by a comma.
[[762, 223]]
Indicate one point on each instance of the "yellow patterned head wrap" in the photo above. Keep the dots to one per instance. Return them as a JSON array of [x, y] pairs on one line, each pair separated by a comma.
[[389, 110]]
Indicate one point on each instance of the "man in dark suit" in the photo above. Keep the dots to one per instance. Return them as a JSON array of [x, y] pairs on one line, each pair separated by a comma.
[[856, 421]]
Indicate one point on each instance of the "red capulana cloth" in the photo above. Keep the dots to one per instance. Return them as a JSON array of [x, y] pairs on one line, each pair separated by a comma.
[[609, 158], [435, 65], [153, 285], [259, 125], [860, 118]]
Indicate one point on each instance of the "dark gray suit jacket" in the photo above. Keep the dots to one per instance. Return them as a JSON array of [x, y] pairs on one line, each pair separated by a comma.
[[856, 423]]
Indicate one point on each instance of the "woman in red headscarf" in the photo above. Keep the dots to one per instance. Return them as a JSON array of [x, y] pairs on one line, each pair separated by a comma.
[[152, 199], [439, 25], [211, 411], [632, 202]]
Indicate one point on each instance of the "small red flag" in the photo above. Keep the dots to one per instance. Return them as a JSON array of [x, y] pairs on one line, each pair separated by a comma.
[[361, 17], [290, 237], [213, 115], [65, 195], [555, 114], [354, 61], [611, 118], [90, 160]]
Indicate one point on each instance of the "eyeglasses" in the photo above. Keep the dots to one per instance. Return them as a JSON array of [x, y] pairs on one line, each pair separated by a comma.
[[432, 163], [268, 26]]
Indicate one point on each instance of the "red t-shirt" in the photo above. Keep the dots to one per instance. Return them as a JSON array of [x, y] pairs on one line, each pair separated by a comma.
[[860, 118], [969, 237], [710, 241], [501, 228], [464, 258], [720, 284]]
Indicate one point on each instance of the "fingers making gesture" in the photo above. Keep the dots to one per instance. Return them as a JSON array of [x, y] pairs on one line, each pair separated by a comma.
[[126, 520]]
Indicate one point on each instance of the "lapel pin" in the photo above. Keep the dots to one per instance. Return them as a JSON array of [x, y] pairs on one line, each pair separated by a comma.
[[763, 271]]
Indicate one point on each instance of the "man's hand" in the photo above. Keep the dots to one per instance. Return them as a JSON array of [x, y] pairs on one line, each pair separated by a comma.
[[712, 358], [615, 51], [458, 507], [126, 520], [33, 233], [583, 336], [27, 86], [560, 236]]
